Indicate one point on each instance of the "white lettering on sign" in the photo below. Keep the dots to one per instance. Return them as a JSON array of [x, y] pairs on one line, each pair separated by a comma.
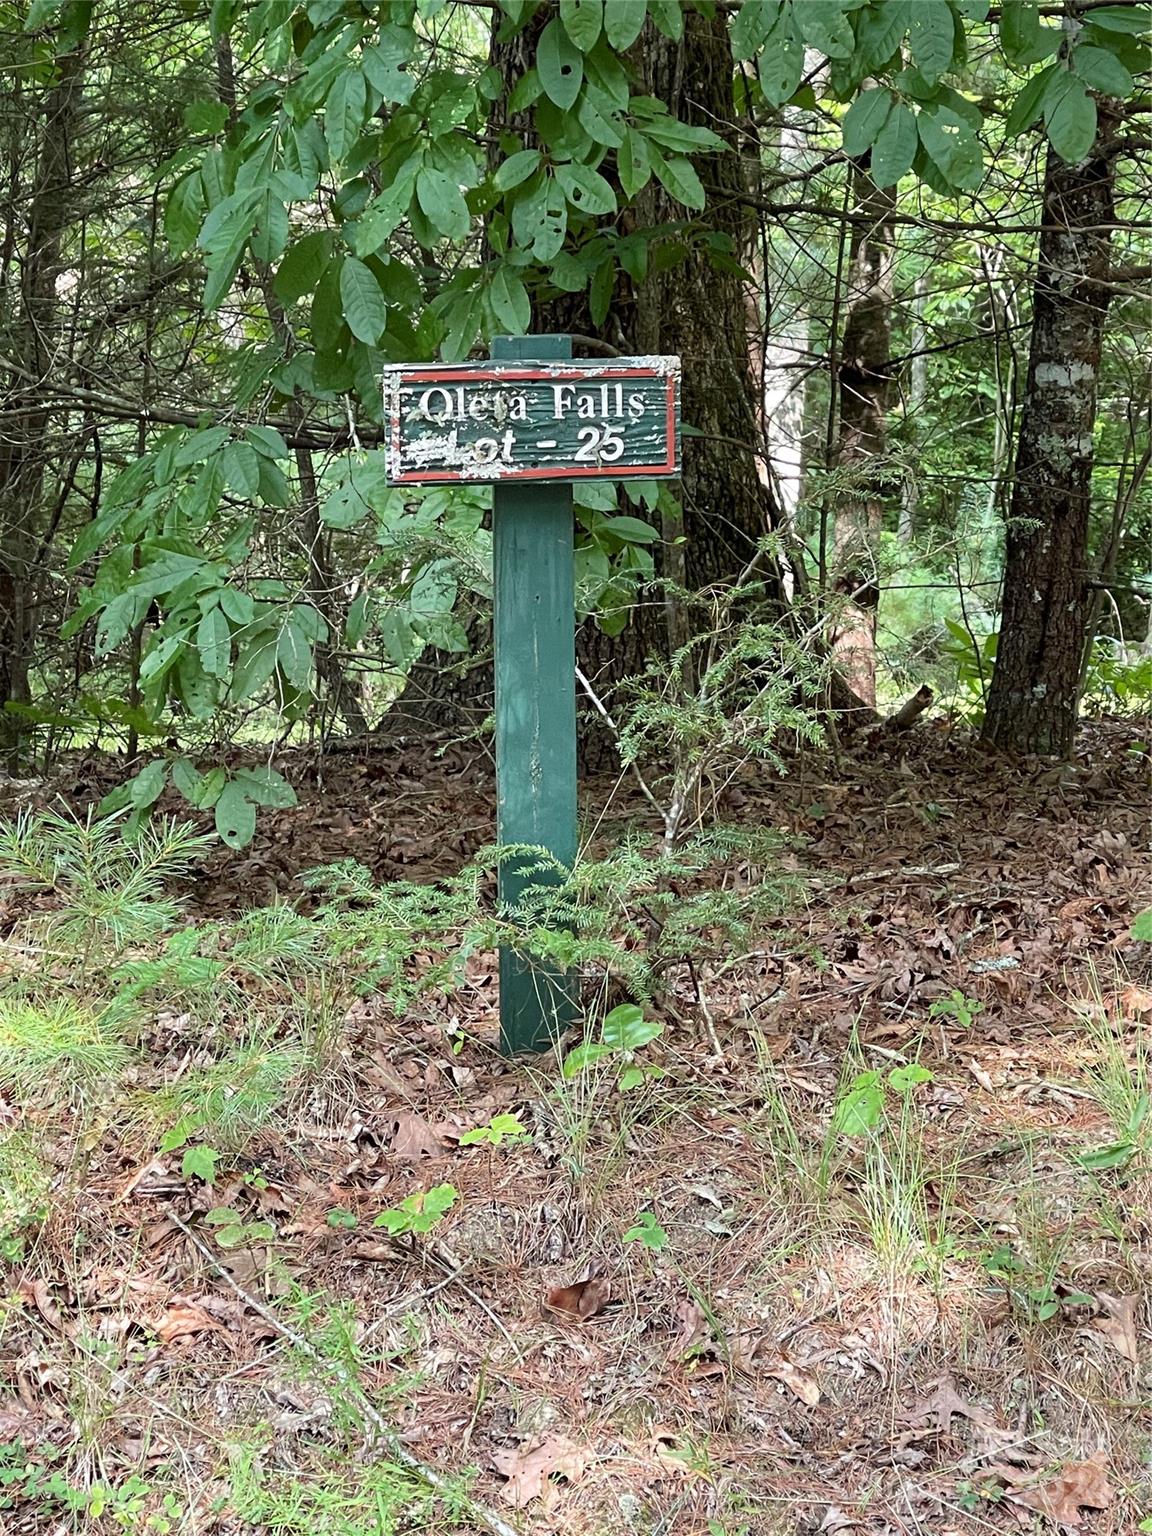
[[560, 419]]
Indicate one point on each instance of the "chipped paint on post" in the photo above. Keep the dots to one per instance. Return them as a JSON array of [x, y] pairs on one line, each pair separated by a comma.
[[531, 420]]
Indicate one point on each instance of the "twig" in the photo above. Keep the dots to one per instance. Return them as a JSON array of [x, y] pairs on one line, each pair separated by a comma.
[[348, 1382]]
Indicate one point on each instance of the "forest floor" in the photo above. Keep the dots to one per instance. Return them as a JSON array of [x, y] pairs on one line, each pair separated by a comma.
[[695, 1309]]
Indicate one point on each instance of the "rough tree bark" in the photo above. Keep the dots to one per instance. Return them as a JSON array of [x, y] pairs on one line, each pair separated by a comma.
[[1035, 686], [864, 381]]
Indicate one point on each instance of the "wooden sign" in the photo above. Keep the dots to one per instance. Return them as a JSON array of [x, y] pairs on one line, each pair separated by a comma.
[[503, 421]]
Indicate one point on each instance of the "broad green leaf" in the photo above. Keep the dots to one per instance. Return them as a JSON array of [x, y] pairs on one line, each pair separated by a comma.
[[864, 120], [267, 442], [582, 21], [626, 1028], [303, 265], [344, 112], [1023, 36], [214, 642], [586, 189], [907, 1076], [237, 605], [364, 306], [932, 36], [1136, 19], [442, 203], [1026, 108], [184, 214], [668, 17], [678, 176], [879, 30], [266, 787], [568, 274], [583, 1056], [895, 147], [631, 529], [241, 465], [633, 163], [824, 24], [1070, 117], [599, 118], [516, 168], [781, 62], [624, 22], [560, 65], [860, 1108], [294, 655], [1103, 71], [751, 25], [1142, 927], [254, 666], [952, 147], [509, 299], [670, 133], [211, 788], [148, 785], [186, 780], [601, 289], [235, 816]]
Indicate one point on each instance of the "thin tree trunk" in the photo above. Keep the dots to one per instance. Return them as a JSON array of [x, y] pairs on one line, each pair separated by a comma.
[[23, 447], [1035, 686], [917, 396], [863, 380]]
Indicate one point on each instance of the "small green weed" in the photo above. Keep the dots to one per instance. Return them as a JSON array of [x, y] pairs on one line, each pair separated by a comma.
[[419, 1213], [647, 1231]]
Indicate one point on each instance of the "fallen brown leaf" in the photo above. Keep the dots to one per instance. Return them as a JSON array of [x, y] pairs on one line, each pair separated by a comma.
[[943, 1406], [693, 1328], [40, 1295], [798, 1382], [1136, 1000], [1119, 1327], [182, 1320], [582, 1299], [530, 1469], [411, 1136], [1060, 1499]]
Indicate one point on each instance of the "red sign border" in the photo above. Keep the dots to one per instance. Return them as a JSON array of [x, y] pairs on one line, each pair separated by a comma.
[[484, 373]]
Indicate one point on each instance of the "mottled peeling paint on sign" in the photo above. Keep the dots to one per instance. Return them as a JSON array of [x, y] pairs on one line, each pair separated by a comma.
[[494, 422]]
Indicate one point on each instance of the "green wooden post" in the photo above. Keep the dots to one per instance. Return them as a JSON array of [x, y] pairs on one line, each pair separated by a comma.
[[534, 623]]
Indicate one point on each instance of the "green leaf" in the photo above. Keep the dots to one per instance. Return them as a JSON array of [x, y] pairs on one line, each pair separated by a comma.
[[268, 442], [510, 302], [583, 1056], [781, 62], [1070, 117], [214, 643], [668, 17], [1023, 36], [631, 529], [254, 666], [364, 306], [751, 25], [266, 787], [237, 605], [516, 168], [860, 1108], [294, 655], [200, 1163], [205, 116], [560, 66], [1142, 927], [623, 22], [952, 147], [1136, 19], [1026, 107], [211, 788], [931, 36], [599, 118], [864, 120], [1102, 71], [1117, 1154], [582, 21], [148, 785], [678, 176], [633, 163], [302, 266], [442, 203], [824, 24], [586, 189], [235, 816], [344, 112], [626, 1028], [187, 781], [908, 1076], [895, 147], [241, 466]]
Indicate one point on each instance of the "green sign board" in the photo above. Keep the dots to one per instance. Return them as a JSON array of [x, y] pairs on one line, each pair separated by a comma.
[[500, 421], [529, 422]]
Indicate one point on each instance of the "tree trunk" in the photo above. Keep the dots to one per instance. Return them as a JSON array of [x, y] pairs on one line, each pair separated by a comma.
[[864, 378], [1033, 698], [31, 341]]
